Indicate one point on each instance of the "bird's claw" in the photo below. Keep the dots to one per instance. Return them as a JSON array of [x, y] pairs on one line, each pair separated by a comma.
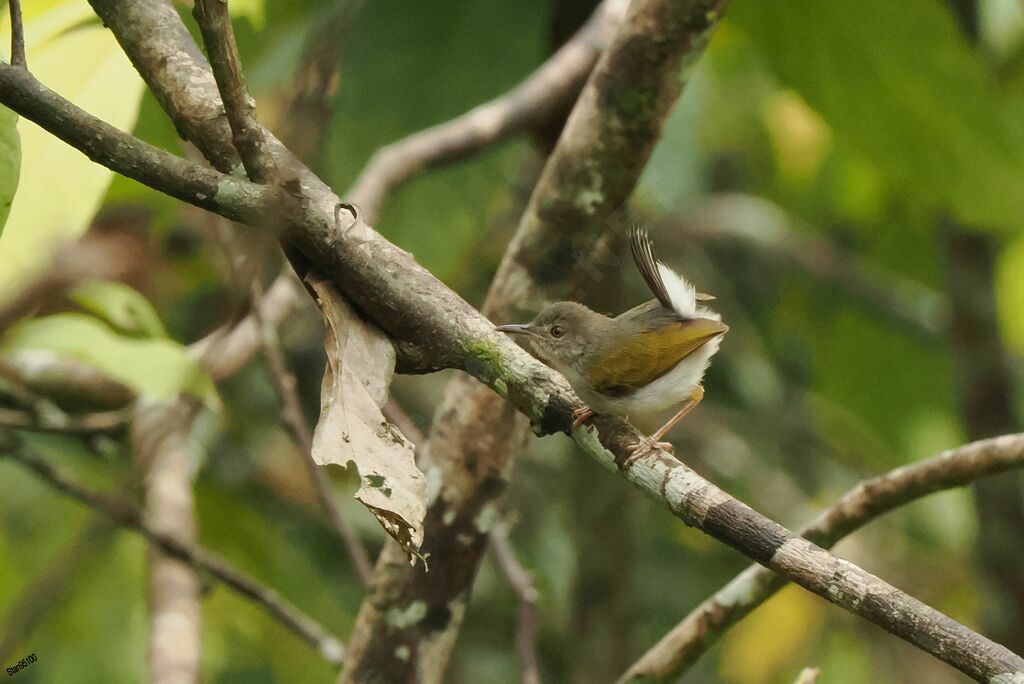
[[644, 447], [581, 416]]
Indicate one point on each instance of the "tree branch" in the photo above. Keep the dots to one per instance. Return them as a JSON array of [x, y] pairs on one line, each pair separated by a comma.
[[247, 135], [549, 89], [434, 328], [683, 646], [310, 631], [224, 351], [17, 35], [162, 50], [199, 185], [517, 577], [473, 436], [159, 438], [86, 423]]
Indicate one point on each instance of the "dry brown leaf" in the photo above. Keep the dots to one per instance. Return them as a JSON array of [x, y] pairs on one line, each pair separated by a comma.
[[360, 364]]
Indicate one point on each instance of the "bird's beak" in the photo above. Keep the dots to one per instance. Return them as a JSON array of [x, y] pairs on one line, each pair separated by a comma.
[[514, 328]]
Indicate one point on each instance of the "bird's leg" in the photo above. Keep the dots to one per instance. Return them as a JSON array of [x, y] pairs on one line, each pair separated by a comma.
[[581, 416], [644, 446]]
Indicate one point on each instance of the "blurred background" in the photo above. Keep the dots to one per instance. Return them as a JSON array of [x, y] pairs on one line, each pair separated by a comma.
[[847, 177]]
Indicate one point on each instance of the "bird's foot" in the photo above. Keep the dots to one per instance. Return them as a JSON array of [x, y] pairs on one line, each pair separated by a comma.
[[581, 416], [644, 447]]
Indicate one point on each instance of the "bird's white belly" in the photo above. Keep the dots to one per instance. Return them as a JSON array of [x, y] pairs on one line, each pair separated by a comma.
[[670, 390]]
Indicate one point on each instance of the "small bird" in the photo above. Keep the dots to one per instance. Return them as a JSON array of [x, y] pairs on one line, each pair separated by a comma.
[[639, 363]]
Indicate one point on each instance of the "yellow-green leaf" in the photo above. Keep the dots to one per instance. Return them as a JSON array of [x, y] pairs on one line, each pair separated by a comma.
[[60, 189], [156, 368], [124, 307]]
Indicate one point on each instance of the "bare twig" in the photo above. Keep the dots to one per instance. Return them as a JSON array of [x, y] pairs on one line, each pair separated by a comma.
[[85, 423], [518, 578], [553, 86], [129, 517], [688, 640], [300, 430], [435, 328], [201, 186], [17, 35], [159, 438], [591, 172], [247, 135], [230, 347], [196, 184], [604, 147]]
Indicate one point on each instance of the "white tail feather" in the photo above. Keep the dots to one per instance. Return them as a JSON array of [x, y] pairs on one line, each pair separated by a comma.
[[680, 292]]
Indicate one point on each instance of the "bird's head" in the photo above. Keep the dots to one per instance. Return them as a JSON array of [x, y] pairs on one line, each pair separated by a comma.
[[562, 333]]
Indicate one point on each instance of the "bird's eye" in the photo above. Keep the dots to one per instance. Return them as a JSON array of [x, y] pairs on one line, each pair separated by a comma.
[[556, 331]]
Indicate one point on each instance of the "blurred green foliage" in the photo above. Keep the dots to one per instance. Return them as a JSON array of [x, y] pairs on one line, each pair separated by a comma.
[[863, 120], [10, 162]]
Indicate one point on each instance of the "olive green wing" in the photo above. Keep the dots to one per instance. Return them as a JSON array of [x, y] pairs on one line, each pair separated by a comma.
[[648, 354]]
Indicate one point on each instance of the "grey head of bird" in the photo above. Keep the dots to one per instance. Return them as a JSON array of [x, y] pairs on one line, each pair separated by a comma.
[[565, 334]]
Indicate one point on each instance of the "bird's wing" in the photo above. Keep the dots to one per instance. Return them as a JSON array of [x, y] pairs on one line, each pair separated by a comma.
[[646, 355]]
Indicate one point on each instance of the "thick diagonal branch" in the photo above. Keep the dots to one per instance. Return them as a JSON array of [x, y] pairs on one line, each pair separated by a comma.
[[640, 66], [688, 640], [435, 328]]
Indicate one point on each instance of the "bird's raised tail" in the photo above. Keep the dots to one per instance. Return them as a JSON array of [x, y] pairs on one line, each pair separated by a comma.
[[672, 290]]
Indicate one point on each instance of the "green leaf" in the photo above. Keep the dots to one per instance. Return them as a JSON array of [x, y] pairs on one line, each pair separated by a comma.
[[899, 83], [60, 188], [125, 308], [1010, 294], [253, 10], [10, 162], [156, 368]]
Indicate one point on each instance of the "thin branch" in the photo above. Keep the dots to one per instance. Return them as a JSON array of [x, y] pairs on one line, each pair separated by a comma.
[[77, 424], [767, 228], [247, 135], [433, 327], [129, 517], [549, 89], [295, 421], [518, 578], [192, 183], [591, 172], [224, 351], [17, 35], [604, 147], [170, 65], [159, 439], [678, 650]]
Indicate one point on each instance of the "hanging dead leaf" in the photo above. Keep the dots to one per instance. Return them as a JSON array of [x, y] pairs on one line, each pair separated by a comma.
[[360, 364]]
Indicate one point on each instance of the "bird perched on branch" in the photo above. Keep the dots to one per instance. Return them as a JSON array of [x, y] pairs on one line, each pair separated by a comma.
[[639, 363]]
